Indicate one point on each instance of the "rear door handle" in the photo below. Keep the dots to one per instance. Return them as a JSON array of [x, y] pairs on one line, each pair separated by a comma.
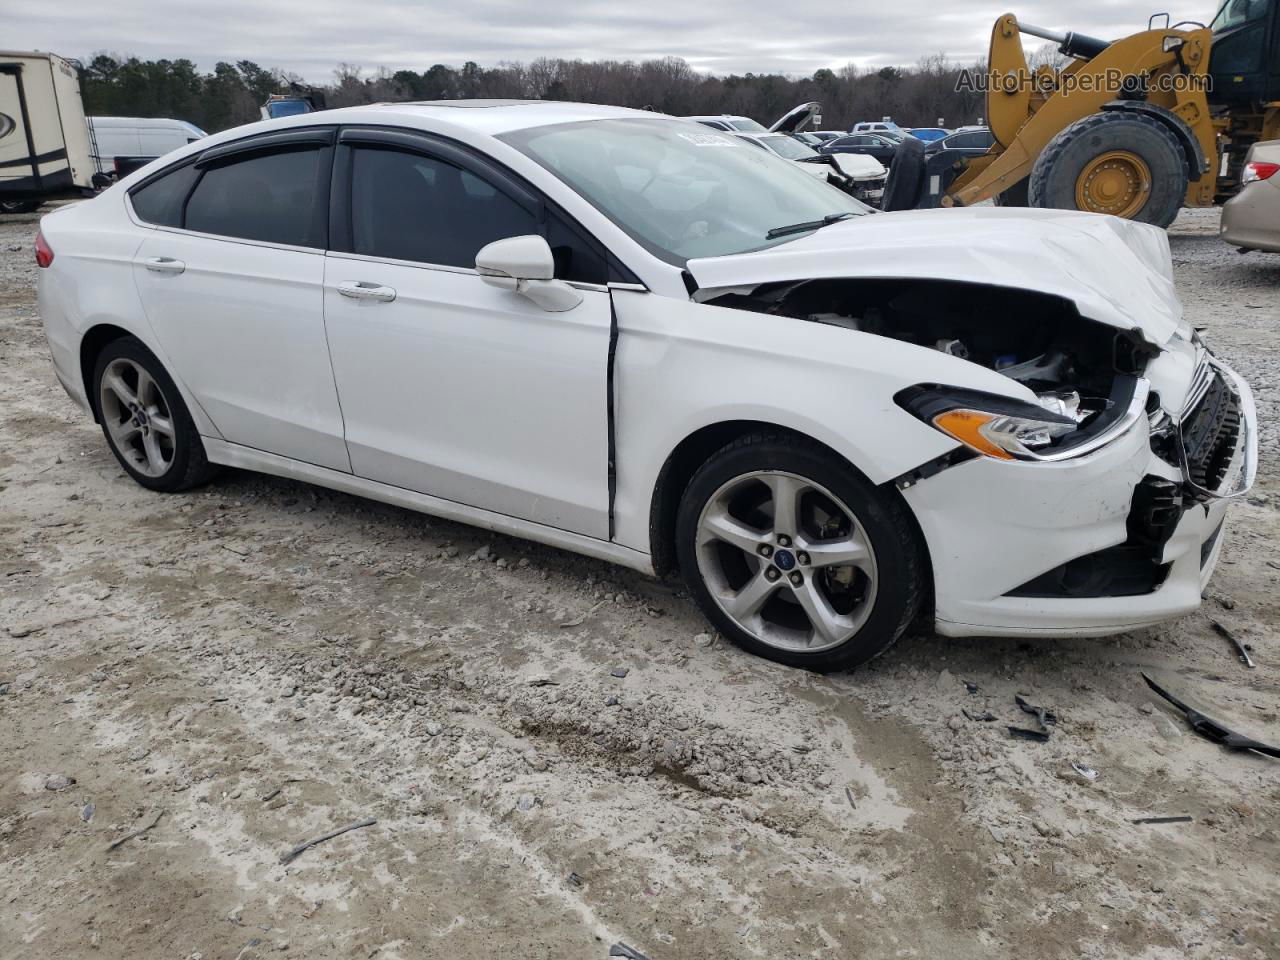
[[164, 265], [364, 290]]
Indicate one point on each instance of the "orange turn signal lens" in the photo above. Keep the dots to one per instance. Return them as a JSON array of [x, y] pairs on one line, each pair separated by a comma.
[[966, 426]]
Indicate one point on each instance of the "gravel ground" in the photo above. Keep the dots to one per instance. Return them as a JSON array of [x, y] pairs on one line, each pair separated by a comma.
[[559, 756]]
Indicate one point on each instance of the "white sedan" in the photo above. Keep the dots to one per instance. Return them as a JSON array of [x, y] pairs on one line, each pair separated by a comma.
[[658, 345]]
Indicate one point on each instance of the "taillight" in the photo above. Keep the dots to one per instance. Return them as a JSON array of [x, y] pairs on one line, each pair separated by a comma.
[[44, 252], [1258, 170]]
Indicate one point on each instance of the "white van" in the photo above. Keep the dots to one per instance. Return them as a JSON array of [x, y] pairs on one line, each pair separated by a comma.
[[44, 143], [123, 144]]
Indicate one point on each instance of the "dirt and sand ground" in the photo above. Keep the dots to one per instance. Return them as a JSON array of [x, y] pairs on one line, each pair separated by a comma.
[[559, 756]]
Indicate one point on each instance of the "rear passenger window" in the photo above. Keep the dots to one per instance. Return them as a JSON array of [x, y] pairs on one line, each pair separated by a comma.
[[406, 206], [160, 201], [265, 196]]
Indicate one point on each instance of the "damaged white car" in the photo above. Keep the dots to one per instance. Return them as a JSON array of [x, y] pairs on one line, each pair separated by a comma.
[[664, 347]]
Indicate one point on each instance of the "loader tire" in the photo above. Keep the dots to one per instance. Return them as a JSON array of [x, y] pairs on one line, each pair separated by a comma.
[[1126, 164], [1015, 196]]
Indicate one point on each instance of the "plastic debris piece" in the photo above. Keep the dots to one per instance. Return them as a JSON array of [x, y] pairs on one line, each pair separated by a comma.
[[1040, 713], [1085, 771], [303, 847], [1211, 729], [1022, 733], [1242, 649]]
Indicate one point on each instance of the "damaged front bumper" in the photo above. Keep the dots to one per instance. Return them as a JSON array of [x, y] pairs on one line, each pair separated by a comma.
[[1123, 537]]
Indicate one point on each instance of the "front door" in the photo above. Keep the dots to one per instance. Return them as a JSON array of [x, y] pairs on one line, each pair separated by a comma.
[[449, 386]]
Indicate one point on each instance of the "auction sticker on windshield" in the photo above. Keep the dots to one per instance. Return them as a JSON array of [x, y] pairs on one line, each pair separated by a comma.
[[709, 140]]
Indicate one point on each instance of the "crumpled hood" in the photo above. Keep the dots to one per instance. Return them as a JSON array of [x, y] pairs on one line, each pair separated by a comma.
[[858, 166], [1115, 271]]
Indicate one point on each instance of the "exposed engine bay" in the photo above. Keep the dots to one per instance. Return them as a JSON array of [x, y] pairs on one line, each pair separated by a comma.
[[1080, 370]]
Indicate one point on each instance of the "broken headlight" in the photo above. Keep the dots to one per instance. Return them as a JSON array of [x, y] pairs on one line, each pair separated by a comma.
[[989, 424]]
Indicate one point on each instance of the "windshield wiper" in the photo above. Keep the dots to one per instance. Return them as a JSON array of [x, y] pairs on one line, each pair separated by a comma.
[[829, 219]]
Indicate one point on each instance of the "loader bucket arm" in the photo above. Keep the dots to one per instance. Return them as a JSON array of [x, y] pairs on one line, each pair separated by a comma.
[[1024, 117], [1007, 111]]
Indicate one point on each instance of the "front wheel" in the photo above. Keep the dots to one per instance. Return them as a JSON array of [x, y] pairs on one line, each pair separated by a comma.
[[795, 557]]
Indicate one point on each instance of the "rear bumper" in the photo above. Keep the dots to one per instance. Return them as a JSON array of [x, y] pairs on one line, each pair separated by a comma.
[[993, 527]]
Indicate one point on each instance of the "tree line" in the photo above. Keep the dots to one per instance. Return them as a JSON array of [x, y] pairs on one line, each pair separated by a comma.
[[232, 93]]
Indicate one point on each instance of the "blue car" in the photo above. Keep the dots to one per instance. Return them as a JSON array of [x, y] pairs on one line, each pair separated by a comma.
[[928, 134]]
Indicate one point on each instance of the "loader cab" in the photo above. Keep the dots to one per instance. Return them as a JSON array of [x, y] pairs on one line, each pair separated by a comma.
[[1244, 61]]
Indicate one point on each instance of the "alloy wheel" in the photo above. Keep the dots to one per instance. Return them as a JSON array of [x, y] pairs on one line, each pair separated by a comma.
[[137, 416], [787, 561]]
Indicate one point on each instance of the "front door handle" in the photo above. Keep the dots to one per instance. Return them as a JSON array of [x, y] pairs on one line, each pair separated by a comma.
[[364, 290], [164, 265]]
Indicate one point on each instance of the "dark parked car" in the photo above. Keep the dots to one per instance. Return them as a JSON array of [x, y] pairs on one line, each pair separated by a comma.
[[964, 143], [876, 145]]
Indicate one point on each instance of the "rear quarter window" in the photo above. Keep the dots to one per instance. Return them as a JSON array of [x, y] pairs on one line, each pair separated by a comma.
[[160, 201]]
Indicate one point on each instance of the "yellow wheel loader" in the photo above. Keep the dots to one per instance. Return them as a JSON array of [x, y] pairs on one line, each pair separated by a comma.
[[1137, 127]]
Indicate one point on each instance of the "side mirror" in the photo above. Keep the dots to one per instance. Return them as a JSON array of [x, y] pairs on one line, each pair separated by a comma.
[[524, 265]]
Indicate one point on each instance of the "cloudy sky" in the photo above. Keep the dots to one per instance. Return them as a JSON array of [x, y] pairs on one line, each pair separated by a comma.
[[309, 37]]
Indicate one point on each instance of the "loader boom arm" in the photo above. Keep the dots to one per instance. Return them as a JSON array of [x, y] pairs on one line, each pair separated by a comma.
[[1026, 109]]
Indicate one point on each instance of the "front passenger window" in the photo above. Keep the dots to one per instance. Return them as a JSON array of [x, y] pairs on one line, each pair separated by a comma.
[[407, 206]]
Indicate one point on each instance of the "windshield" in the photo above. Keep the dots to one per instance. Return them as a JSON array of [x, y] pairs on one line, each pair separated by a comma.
[[747, 126], [680, 190], [788, 148], [1236, 12]]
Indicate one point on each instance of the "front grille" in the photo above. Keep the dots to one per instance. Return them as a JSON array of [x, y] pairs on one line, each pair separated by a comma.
[[1210, 432], [1200, 381]]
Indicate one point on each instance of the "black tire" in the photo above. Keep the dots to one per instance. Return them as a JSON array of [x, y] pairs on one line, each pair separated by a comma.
[[1015, 196], [190, 466], [19, 206], [889, 528], [1052, 183]]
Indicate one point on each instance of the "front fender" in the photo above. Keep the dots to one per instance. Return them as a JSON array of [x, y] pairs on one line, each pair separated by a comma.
[[682, 366]]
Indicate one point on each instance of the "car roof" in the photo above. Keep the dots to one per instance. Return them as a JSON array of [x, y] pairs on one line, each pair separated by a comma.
[[466, 119], [490, 117]]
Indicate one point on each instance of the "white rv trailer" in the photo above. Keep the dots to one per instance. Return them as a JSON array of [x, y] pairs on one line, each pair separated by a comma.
[[44, 140]]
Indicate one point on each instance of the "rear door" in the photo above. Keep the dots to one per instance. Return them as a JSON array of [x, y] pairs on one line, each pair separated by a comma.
[[450, 386], [231, 280]]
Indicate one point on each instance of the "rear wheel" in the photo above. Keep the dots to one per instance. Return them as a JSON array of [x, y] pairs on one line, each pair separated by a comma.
[[144, 419], [795, 557], [1125, 164], [19, 206]]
